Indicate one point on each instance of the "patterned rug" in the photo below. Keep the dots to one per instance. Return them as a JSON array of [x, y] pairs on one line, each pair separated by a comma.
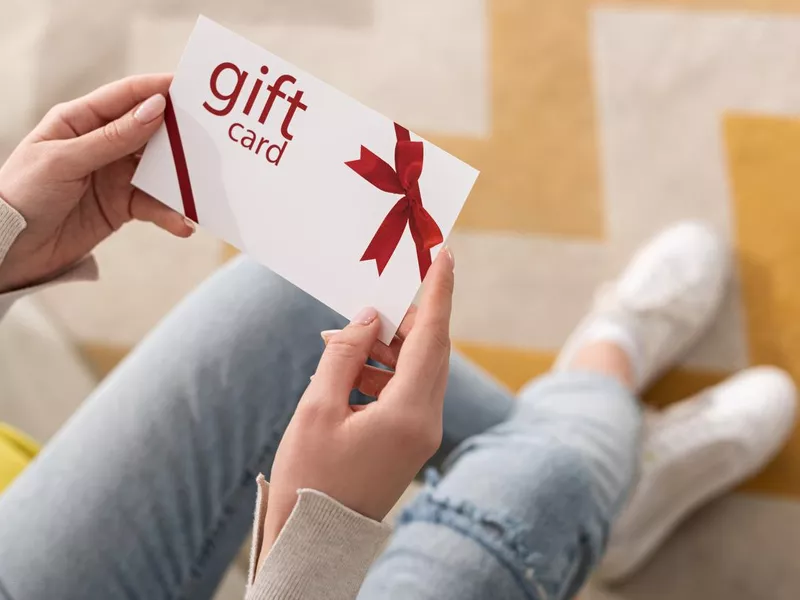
[[594, 124]]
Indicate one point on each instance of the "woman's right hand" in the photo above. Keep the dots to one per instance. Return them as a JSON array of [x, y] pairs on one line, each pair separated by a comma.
[[70, 178], [365, 456]]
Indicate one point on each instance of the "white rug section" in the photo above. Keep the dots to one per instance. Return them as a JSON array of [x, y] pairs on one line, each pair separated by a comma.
[[523, 291], [423, 64], [42, 379]]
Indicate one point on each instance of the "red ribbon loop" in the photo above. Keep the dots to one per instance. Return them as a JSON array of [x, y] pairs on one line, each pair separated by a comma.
[[403, 179]]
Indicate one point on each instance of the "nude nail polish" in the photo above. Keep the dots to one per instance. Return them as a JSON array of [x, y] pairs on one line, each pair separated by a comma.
[[150, 109], [365, 316]]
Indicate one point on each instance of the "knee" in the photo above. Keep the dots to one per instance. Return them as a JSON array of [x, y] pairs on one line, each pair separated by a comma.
[[427, 561], [259, 303], [544, 481], [566, 485], [254, 285], [544, 530]]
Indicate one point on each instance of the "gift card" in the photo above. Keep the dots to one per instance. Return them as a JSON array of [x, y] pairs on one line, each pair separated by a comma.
[[338, 199]]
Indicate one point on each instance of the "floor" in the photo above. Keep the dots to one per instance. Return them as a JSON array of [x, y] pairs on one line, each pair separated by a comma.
[[594, 123]]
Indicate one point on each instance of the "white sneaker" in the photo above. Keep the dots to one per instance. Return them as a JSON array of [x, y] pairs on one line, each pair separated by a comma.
[[661, 304], [694, 451]]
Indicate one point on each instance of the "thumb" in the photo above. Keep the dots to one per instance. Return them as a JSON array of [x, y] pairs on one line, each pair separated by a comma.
[[117, 138], [345, 355]]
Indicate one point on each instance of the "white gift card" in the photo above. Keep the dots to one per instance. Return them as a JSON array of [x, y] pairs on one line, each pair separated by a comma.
[[326, 192]]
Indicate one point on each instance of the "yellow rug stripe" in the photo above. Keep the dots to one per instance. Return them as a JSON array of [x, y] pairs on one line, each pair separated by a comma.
[[539, 165], [764, 158], [512, 367]]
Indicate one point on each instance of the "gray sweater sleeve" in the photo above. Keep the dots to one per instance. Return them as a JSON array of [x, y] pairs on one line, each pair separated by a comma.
[[322, 553]]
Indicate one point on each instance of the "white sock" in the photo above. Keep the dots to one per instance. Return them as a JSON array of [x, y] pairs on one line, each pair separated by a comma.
[[605, 329]]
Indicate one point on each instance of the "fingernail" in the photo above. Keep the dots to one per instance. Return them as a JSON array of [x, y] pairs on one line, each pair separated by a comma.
[[328, 334], [190, 224], [150, 109], [365, 316], [452, 258]]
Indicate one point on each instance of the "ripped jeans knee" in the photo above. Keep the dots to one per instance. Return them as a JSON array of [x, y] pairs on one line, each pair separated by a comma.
[[546, 560]]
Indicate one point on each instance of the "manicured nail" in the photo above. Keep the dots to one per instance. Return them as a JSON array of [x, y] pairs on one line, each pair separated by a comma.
[[150, 109], [365, 316], [328, 334], [452, 258], [190, 224]]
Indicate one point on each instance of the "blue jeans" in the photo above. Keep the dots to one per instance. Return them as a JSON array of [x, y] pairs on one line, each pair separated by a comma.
[[148, 491]]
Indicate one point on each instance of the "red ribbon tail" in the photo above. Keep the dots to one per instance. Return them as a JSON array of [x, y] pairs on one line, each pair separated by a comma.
[[425, 230], [424, 260], [387, 237], [426, 234], [179, 156], [403, 135]]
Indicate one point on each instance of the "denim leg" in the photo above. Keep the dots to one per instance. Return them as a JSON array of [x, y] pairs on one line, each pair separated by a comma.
[[148, 491], [523, 509], [473, 403]]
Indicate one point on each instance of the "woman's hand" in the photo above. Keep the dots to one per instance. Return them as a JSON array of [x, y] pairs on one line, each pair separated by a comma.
[[71, 178], [365, 456]]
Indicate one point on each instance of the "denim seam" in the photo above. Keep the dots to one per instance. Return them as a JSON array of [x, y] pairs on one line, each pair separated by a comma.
[[249, 474]]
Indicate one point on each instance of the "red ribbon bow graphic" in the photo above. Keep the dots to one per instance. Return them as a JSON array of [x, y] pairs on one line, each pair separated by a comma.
[[403, 179]]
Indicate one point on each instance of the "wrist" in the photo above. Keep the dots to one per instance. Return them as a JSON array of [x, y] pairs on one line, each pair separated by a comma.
[[271, 526]]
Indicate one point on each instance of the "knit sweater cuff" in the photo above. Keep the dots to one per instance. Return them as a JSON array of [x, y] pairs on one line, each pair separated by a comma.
[[11, 225], [323, 551]]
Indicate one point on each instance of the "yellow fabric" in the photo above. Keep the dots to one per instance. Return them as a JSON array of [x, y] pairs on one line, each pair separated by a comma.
[[16, 451]]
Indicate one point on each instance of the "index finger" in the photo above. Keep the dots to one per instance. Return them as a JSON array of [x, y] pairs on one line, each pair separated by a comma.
[[427, 346], [110, 102], [388, 355], [380, 352]]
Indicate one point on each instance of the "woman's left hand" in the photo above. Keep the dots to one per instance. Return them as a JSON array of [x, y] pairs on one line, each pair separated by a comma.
[[70, 178], [365, 456]]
